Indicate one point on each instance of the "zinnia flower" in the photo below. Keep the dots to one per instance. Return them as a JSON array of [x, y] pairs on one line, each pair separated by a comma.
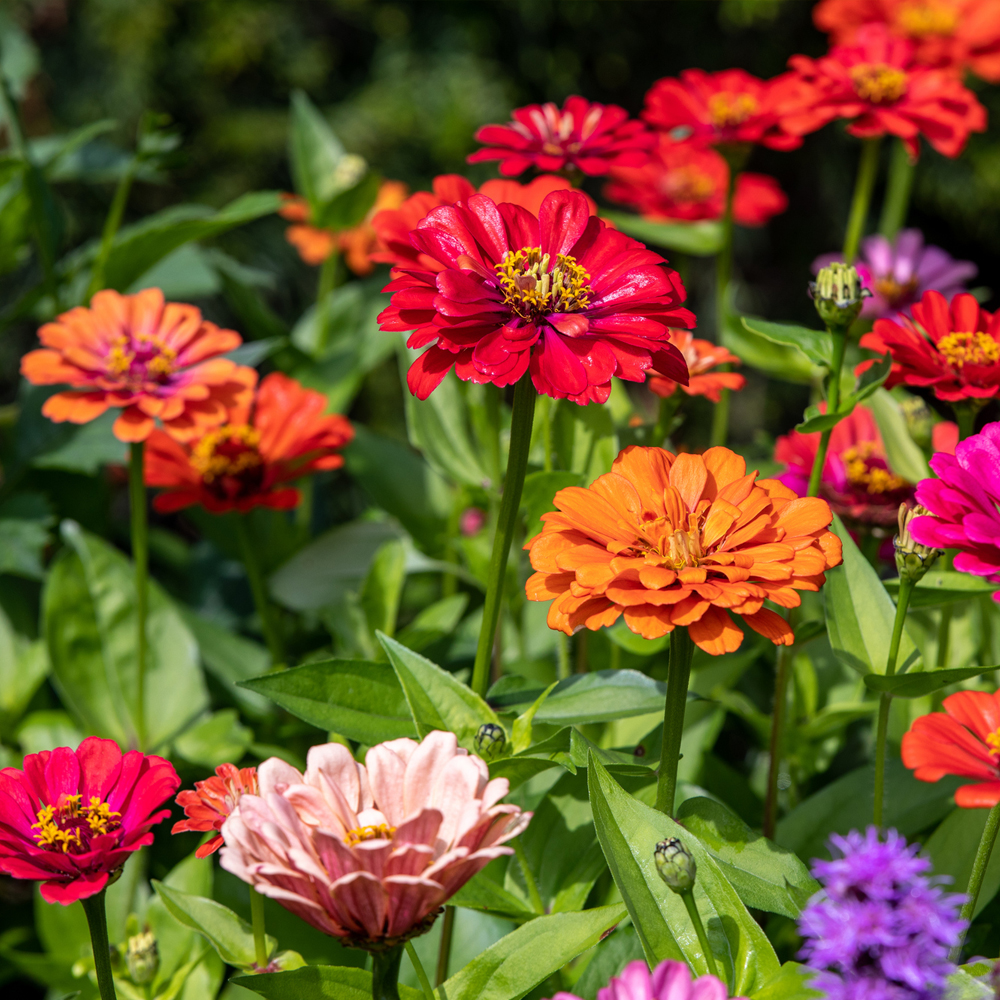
[[952, 348], [682, 540], [152, 359], [701, 357], [369, 853], [279, 435], [879, 927], [563, 294], [897, 273], [682, 182], [211, 802], [670, 980], [72, 817], [857, 480], [875, 83], [583, 136]]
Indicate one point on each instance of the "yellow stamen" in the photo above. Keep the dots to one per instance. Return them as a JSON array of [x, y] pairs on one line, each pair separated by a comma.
[[532, 289], [894, 291], [381, 832], [59, 826], [969, 349], [923, 18], [872, 478], [878, 83], [728, 110], [993, 741], [227, 451], [122, 356], [688, 184]]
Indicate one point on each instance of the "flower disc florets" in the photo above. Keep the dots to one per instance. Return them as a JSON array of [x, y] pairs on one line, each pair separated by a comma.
[[533, 286]]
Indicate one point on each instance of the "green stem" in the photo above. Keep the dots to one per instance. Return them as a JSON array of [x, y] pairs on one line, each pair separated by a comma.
[[832, 405], [562, 656], [492, 407], [549, 403], [965, 417], [529, 880], [897, 195], [679, 672], [699, 929], [863, 187], [329, 276], [781, 675], [111, 226], [385, 973], [944, 636], [517, 462], [97, 921], [259, 590], [885, 702], [259, 931], [668, 407], [425, 983], [444, 949], [140, 558], [978, 873], [723, 274]]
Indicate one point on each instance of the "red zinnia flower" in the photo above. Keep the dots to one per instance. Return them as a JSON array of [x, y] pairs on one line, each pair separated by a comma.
[[875, 82], [72, 817], [279, 436], [964, 740], [563, 293], [953, 349], [211, 802], [583, 136], [700, 356]]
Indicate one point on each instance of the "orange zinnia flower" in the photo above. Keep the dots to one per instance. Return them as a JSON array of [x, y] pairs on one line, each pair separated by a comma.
[[680, 540], [152, 359], [964, 740], [701, 356], [209, 805]]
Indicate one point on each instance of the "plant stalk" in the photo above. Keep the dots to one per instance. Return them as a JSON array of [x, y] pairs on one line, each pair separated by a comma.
[[723, 274], [329, 276], [259, 930], [385, 973], [864, 184], [444, 948], [979, 866], [111, 226], [832, 405], [699, 929], [418, 967], [898, 189], [97, 921], [679, 672], [965, 417], [140, 558], [668, 407], [259, 590], [781, 675]]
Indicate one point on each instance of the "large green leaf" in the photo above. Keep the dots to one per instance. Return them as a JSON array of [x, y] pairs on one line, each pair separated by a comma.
[[700, 239], [218, 738], [318, 982], [776, 360], [944, 586], [918, 684], [789, 983], [88, 450], [816, 345], [903, 453], [383, 587], [628, 832], [24, 665], [321, 167], [953, 846], [434, 622]]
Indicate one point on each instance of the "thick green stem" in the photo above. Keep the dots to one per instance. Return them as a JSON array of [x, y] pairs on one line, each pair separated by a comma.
[[385, 973], [863, 187], [723, 274], [781, 674], [517, 462], [885, 702], [140, 559], [944, 636], [492, 408], [534, 896], [668, 407], [97, 921], [259, 930], [259, 590], [897, 194], [832, 405], [965, 416], [699, 929], [679, 672], [418, 967], [978, 873], [444, 949], [329, 276], [111, 226], [562, 656]]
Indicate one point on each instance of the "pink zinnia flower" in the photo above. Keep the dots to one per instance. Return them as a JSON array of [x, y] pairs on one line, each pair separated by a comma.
[[211, 802], [587, 137], [670, 980], [562, 293], [72, 817], [369, 853]]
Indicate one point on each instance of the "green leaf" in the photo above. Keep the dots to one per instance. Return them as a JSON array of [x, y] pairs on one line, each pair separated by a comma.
[[776, 360], [434, 622], [789, 983], [484, 894], [700, 239], [383, 587], [24, 665], [521, 737], [47, 729], [22, 542], [349, 208], [321, 167], [217, 739], [953, 846], [319, 982], [88, 450], [918, 684], [867, 383], [903, 454], [538, 495], [944, 586], [962, 985], [816, 345]]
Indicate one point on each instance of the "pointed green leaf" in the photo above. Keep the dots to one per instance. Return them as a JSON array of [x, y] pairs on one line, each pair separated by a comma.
[[816, 345], [700, 239], [521, 730], [315, 154], [918, 684], [903, 453], [483, 893], [318, 982], [791, 982]]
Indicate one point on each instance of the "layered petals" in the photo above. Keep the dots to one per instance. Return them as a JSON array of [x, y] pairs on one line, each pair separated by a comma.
[[212, 800], [701, 356], [670, 980]]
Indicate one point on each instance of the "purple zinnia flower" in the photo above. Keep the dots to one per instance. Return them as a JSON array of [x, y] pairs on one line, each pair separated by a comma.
[[897, 274], [880, 929]]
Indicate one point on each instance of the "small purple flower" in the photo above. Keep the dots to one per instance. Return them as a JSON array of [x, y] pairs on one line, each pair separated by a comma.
[[897, 274], [880, 929]]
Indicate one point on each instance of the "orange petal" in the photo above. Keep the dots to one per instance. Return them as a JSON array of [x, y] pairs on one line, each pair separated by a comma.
[[648, 621], [133, 425], [688, 475], [76, 407], [723, 467], [715, 633], [772, 626]]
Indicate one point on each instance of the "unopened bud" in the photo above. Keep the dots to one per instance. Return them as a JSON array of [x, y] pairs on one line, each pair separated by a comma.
[[913, 560], [675, 865], [490, 741], [838, 295], [142, 958]]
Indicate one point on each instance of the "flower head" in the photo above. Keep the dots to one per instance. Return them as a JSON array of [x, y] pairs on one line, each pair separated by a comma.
[[277, 436], [913, 560], [152, 359], [953, 348], [670, 980], [582, 136], [675, 864], [680, 540], [701, 357], [879, 927], [212, 800], [561, 294], [369, 853], [72, 817]]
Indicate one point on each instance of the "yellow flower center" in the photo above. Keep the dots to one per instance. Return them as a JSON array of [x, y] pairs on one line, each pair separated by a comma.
[[141, 358], [381, 832], [894, 291], [878, 83], [861, 471], [228, 450], [961, 349], [993, 741], [923, 18], [676, 548], [533, 286], [688, 184], [64, 826], [729, 110]]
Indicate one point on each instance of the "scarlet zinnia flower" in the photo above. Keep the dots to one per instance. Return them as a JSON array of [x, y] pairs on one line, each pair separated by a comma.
[[681, 181], [583, 136], [964, 739], [152, 359], [211, 802], [682, 540], [563, 293], [952, 348], [701, 356], [278, 436], [369, 853], [72, 817]]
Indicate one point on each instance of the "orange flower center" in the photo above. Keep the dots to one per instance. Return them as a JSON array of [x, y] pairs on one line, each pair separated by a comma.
[[688, 184], [533, 286], [960, 349], [141, 358], [861, 471], [676, 547], [68, 825], [894, 291], [923, 18], [381, 832], [229, 450], [728, 110], [878, 83]]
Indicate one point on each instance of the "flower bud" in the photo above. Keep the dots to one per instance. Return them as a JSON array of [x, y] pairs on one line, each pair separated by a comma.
[[675, 865], [838, 295], [142, 958], [490, 741], [913, 560]]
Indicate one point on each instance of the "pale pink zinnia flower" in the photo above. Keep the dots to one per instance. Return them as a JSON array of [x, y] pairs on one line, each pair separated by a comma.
[[668, 981], [369, 853]]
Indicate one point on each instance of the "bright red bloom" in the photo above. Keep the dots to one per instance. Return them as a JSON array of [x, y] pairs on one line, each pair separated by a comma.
[[562, 293], [278, 436], [701, 356], [964, 739], [72, 817], [682, 181], [952, 348], [152, 359], [211, 802], [583, 136], [876, 83]]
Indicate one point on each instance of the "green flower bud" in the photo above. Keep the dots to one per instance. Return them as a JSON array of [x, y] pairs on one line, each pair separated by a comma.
[[675, 865], [838, 295], [490, 741], [913, 560], [142, 958]]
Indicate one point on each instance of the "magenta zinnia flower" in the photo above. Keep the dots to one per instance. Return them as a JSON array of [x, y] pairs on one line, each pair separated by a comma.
[[72, 817], [563, 294], [670, 980], [369, 853]]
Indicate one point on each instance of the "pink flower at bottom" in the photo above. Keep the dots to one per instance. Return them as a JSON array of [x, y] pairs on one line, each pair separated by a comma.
[[668, 981], [369, 853]]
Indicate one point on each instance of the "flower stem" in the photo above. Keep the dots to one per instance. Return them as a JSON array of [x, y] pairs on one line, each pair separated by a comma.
[[864, 184], [885, 702], [529, 880], [385, 973], [259, 932], [965, 417], [781, 674], [832, 405], [517, 463], [699, 929], [444, 948], [329, 276], [681, 651], [978, 873], [140, 558], [111, 226], [425, 983], [723, 274], [897, 195], [562, 656], [257, 586], [668, 407], [97, 921]]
